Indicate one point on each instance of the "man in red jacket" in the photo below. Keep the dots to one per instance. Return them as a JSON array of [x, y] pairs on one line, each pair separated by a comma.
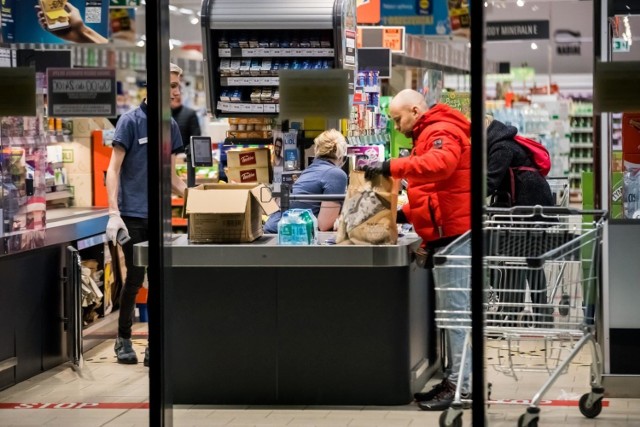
[[438, 173]]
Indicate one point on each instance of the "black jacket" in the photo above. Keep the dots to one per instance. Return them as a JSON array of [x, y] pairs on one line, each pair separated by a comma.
[[531, 188], [188, 123]]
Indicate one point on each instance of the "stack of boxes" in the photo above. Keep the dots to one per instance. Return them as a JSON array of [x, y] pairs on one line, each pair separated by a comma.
[[249, 165]]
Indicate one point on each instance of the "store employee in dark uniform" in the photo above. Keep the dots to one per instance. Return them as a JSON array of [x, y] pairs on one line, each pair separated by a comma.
[[129, 207], [187, 120]]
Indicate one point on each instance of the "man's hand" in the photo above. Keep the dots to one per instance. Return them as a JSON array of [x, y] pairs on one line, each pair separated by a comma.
[[381, 168], [115, 223]]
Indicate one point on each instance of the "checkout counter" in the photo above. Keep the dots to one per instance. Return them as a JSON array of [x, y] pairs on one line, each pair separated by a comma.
[[39, 323], [264, 324]]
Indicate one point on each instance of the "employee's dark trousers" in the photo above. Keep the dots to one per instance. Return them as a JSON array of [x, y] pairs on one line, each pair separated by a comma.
[[139, 231]]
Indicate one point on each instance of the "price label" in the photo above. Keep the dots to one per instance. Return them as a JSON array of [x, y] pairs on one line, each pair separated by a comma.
[[270, 108], [276, 52], [224, 53], [249, 52]]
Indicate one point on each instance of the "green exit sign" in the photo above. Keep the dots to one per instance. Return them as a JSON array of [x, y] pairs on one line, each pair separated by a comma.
[[620, 45], [124, 3]]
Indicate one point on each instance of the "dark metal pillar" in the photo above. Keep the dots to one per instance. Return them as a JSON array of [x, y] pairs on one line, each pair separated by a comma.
[[159, 170], [478, 178]]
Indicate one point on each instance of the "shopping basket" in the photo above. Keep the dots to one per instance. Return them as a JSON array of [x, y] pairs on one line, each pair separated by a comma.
[[541, 283]]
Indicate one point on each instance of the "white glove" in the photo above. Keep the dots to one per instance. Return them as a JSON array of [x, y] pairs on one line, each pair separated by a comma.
[[115, 223]]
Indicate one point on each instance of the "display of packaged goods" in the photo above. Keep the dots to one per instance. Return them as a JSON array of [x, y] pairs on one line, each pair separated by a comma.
[[298, 227], [249, 134]]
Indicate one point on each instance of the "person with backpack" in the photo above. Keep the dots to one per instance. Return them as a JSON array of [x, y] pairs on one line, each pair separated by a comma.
[[516, 170]]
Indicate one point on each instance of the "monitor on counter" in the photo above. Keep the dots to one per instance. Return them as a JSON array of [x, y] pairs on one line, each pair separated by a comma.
[[201, 153], [375, 59]]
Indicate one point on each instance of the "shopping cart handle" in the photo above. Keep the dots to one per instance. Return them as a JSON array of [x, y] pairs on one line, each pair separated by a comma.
[[545, 210]]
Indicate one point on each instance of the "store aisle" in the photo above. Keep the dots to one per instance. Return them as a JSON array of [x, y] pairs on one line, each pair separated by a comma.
[[107, 394]]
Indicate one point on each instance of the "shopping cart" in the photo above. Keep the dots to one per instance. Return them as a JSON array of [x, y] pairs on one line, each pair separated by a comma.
[[560, 190], [542, 279]]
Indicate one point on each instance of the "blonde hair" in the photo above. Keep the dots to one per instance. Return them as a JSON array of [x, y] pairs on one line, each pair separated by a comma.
[[330, 144], [173, 68]]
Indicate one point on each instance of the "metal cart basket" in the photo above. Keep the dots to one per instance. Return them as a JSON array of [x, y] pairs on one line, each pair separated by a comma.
[[542, 280]]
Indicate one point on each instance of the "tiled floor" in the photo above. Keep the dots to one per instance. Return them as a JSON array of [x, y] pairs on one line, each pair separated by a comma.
[[103, 381]]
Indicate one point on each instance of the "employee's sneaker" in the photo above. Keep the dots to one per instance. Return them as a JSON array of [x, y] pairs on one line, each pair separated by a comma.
[[146, 357], [428, 395], [443, 399], [125, 352]]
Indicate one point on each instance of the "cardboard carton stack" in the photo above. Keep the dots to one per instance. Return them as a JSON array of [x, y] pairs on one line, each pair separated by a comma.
[[248, 165]]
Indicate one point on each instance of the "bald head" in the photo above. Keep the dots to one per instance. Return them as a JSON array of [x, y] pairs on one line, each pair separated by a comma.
[[405, 109]]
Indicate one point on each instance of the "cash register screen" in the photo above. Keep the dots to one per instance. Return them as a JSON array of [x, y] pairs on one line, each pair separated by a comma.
[[201, 154]]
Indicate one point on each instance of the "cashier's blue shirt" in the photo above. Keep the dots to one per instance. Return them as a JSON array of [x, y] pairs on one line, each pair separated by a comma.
[[321, 177], [131, 134]]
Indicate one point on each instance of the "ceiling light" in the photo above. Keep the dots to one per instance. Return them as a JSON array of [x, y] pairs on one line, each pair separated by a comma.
[[185, 11], [534, 8], [172, 8], [140, 43], [534, 46], [195, 20], [486, 4], [170, 45], [520, 3]]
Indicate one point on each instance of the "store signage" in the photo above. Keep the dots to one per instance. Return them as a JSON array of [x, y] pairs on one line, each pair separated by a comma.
[[368, 11], [21, 24], [621, 45], [81, 92], [517, 30], [421, 17], [567, 42], [390, 37], [124, 3]]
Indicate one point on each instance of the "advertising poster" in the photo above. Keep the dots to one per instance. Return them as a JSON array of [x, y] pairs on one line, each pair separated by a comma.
[[420, 17], [81, 92], [55, 21], [122, 23], [459, 18], [368, 11]]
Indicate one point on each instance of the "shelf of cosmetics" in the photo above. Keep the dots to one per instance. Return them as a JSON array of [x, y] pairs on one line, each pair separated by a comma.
[[18, 131], [367, 123]]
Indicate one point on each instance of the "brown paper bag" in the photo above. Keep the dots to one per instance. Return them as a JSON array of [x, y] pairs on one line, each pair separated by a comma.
[[369, 212]]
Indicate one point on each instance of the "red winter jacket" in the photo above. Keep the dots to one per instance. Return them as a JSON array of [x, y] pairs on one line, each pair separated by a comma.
[[438, 173]]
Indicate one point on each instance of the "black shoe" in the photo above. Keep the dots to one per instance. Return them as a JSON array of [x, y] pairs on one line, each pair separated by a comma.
[[443, 400], [146, 357], [428, 395]]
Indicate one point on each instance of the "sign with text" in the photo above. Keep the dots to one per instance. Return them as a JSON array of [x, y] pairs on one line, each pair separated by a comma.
[[517, 30], [421, 17], [620, 45], [81, 92], [390, 37]]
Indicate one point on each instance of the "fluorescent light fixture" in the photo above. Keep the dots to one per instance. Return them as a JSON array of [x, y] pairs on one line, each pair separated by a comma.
[[185, 11], [194, 20], [534, 46], [173, 8], [520, 3]]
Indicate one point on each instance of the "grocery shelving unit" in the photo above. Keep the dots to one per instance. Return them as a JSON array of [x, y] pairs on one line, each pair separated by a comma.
[[581, 144]]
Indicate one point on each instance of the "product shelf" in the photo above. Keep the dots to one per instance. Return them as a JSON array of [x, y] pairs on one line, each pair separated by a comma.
[[581, 145], [249, 81], [57, 195], [581, 130], [240, 107], [275, 52]]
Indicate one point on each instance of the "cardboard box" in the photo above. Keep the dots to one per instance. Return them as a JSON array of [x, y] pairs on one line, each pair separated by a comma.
[[227, 213], [248, 175], [246, 157]]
